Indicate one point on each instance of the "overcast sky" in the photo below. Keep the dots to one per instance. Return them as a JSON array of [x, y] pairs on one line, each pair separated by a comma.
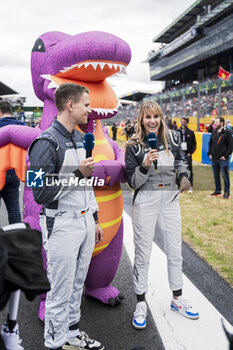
[[135, 21]]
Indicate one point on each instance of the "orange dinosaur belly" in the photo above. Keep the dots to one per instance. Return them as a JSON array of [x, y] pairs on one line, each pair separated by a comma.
[[110, 200]]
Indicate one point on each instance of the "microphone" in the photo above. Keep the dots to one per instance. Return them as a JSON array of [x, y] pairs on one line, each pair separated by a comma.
[[89, 144], [152, 141]]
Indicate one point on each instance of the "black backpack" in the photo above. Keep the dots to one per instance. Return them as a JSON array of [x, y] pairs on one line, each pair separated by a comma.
[[21, 262]]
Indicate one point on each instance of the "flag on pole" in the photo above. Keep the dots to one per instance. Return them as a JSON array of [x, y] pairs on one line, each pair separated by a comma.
[[223, 74]]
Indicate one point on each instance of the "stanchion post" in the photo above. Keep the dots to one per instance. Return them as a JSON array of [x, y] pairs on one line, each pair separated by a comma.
[[198, 106], [219, 97], [183, 99], [171, 106]]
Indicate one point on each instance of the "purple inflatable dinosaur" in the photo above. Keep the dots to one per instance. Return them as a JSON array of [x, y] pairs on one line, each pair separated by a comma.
[[86, 59]]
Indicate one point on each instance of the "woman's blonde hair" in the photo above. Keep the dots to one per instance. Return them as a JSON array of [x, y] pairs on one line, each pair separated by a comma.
[[154, 108]]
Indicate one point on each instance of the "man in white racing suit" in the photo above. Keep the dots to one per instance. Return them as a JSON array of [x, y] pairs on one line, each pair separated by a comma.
[[69, 220]]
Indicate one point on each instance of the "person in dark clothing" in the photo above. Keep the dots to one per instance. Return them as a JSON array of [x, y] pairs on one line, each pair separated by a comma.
[[114, 131], [129, 129], [210, 128], [188, 145], [220, 148], [174, 126], [169, 123], [21, 268], [10, 192]]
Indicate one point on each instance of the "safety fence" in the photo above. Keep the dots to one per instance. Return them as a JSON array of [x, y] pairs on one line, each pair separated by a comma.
[[200, 155], [203, 122]]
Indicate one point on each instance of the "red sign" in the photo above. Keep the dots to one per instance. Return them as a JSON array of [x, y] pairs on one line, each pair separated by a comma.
[[202, 127]]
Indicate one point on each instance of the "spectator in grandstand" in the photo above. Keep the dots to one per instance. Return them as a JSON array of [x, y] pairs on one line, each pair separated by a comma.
[[156, 202], [114, 131], [220, 148], [188, 145], [10, 192], [208, 106]]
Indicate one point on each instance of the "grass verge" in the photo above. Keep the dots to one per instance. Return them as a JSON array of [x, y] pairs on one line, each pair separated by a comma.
[[207, 223]]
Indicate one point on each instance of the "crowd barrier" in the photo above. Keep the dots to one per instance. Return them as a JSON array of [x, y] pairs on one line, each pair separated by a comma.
[[121, 136], [200, 155], [203, 121]]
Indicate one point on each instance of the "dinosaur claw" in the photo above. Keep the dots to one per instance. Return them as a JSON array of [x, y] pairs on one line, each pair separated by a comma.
[[121, 297], [118, 300], [112, 302], [115, 301]]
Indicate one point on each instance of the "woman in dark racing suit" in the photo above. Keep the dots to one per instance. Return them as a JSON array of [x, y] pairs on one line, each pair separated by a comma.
[[152, 174]]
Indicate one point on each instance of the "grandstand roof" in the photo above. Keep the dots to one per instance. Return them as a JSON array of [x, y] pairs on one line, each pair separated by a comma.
[[135, 95], [6, 90], [182, 23], [195, 54]]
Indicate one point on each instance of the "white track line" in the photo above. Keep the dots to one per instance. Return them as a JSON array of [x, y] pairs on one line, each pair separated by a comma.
[[176, 331]]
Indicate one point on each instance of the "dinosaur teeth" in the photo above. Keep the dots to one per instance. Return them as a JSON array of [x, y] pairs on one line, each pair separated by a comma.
[[123, 70], [52, 84], [94, 125], [117, 66], [102, 65], [105, 111], [99, 111], [67, 69], [46, 76], [94, 65]]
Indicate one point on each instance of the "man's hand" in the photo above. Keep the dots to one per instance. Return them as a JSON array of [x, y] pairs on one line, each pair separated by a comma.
[[185, 183], [210, 156], [86, 167], [223, 158], [99, 233]]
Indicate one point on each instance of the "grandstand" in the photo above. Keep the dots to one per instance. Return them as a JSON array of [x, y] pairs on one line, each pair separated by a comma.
[[192, 48]]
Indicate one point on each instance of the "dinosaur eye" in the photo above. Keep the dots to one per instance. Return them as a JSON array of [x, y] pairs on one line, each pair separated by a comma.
[[38, 46]]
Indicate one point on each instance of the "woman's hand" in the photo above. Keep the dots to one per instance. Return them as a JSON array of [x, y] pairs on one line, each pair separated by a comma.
[[185, 184], [151, 156]]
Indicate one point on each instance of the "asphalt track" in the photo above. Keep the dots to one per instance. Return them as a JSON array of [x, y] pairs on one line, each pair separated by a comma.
[[112, 326]]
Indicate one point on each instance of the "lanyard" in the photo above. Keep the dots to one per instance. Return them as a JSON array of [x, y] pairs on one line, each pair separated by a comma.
[[183, 135]]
